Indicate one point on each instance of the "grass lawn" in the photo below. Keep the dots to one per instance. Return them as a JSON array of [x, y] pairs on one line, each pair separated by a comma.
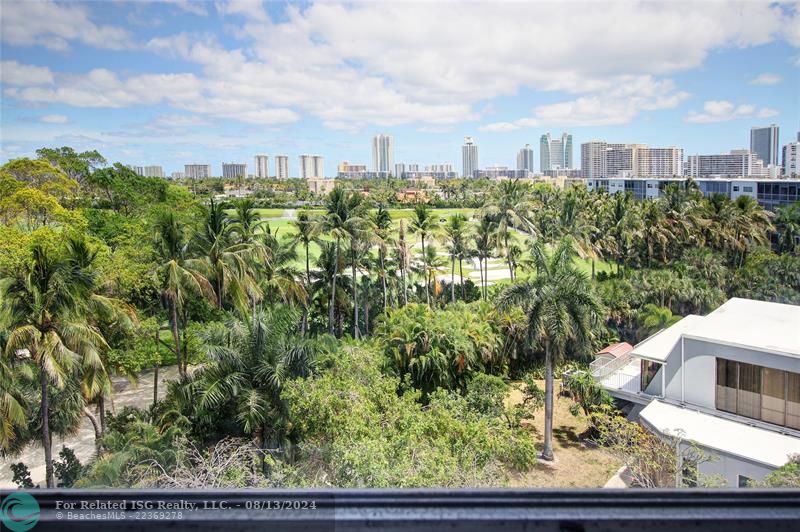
[[263, 213], [577, 464]]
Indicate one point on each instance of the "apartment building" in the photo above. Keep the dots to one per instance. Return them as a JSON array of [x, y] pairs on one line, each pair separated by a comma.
[[469, 157], [791, 162], [262, 166], [234, 170], [735, 163], [311, 167], [281, 167], [197, 171], [153, 171]]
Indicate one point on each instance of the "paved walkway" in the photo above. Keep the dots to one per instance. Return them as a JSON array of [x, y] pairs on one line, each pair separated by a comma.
[[125, 394]]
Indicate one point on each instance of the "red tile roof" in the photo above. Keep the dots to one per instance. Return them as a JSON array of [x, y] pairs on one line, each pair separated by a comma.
[[616, 350]]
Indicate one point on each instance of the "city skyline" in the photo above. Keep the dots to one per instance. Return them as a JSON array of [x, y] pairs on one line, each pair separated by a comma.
[[173, 102]]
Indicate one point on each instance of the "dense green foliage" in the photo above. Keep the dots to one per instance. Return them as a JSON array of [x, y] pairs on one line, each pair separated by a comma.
[[346, 346]]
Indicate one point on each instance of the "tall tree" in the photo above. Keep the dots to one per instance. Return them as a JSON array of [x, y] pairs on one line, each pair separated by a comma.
[[562, 311], [425, 223], [342, 218], [179, 275], [382, 222], [454, 235], [307, 231], [484, 242], [45, 307], [510, 206]]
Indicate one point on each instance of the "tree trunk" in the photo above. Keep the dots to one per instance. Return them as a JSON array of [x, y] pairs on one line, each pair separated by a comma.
[[452, 278], [366, 315], [176, 337], [46, 440], [592, 268], [383, 279], [101, 407], [508, 257], [331, 317], [427, 276], [405, 287], [547, 451], [355, 291], [461, 274], [97, 432], [308, 268]]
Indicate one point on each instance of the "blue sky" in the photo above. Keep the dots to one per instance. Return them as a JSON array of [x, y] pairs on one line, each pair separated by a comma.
[[177, 82]]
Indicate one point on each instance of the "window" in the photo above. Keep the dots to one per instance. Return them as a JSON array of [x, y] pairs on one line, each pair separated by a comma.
[[743, 481], [768, 394], [736, 188], [747, 189]]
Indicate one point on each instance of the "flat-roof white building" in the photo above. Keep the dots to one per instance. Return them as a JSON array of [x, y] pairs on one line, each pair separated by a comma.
[[728, 381]]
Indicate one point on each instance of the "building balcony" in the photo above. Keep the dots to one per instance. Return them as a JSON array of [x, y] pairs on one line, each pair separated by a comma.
[[622, 378]]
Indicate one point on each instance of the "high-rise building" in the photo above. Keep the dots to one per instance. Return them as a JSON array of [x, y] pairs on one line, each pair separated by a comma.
[[197, 171], [764, 143], [791, 159], [383, 153], [281, 167], [138, 170], [153, 171], [399, 169], [601, 160], [525, 158], [413, 167], [234, 170], [469, 157], [555, 153], [311, 167], [178, 175], [737, 163], [593, 159], [262, 166]]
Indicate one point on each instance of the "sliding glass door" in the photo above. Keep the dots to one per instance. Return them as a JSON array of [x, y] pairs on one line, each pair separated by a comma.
[[757, 392]]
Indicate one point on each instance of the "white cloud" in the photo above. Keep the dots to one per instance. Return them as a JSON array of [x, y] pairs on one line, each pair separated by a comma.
[[13, 73], [620, 105], [384, 64], [766, 79], [724, 111], [252, 9], [195, 7], [53, 25], [54, 119]]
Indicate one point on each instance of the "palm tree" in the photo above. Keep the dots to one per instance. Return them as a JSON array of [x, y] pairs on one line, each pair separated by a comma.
[[360, 246], [247, 221], [424, 223], [45, 306], [403, 259], [787, 224], [454, 235], [484, 239], [226, 265], [178, 275], [382, 223], [562, 310], [751, 225], [624, 226], [654, 318], [510, 207], [280, 280], [341, 221], [307, 232], [322, 282], [250, 362], [655, 231], [13, 407]]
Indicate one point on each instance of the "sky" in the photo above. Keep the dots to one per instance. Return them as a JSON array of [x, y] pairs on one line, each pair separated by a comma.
[[176, 82]]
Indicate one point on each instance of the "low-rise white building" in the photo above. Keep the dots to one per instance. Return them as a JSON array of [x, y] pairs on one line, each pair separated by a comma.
[[728, 381]]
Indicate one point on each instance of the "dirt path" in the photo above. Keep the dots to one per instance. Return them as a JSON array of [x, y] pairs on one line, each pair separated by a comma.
[[125, 394]]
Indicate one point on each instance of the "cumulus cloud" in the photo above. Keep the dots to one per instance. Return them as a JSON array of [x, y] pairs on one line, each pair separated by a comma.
[[620, 105], [14, 73], [54, 119], [766, 79], [724, 111], [403, 65], [54, 25]]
